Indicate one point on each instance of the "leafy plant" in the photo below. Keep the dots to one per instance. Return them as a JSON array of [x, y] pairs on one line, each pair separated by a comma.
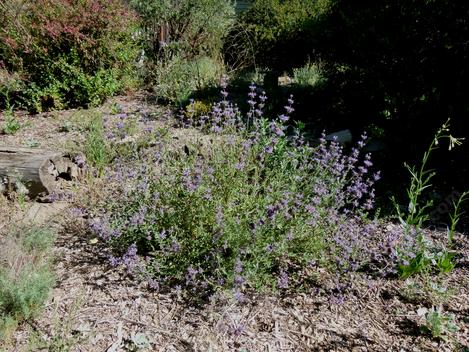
[[455, 215], [437, 322], [272, 30], [32, 143], [414, 253], [66, 333], [25, 276], [11, 124], [67, 53], [248, 209], [177, 79], [97, 149], [184, 27], [183, 41], [308, 75]]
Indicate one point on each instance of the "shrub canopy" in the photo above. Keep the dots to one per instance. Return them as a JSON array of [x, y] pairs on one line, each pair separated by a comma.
[[57, 53]]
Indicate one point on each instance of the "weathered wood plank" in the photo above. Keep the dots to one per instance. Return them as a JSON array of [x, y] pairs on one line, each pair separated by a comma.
[[37, 169]]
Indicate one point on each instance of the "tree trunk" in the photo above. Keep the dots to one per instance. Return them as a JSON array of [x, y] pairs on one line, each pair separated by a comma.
[[39, 171]]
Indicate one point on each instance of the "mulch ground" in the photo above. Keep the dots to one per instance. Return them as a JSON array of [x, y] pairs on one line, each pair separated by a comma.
[[96, 307]]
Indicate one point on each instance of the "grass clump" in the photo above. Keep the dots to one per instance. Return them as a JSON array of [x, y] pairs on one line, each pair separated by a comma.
[[97, 149], [25, 276], [108, 140]]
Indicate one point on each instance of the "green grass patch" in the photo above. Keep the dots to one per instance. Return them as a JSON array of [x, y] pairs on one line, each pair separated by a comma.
[[25, 276]]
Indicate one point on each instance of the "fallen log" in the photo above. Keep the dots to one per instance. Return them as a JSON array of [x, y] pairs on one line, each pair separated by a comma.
[[36, 171]]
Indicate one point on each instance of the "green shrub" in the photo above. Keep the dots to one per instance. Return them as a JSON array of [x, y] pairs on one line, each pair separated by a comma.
[[272, 31], [308, 75], [66, 53], [25, 276], [177, 79], [183, 41], [251, 208], [437, 322], [191, 28]]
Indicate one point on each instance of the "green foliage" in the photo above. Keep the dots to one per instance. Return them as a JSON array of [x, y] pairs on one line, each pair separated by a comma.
[[11, 124], [419, 256], [197, 109], [177, 79], [272, 30], [438, 323], [308, 75], [456, 215], [25, 276], [63, 332], [98, 150], [190, 28], [183, 40], [66, 53], [445, 263], [251, 208], [38, 239]]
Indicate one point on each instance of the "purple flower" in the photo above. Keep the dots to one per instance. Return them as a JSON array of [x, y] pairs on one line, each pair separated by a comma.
[[139, 217], [268, 149], [219, 216], [114, 261], [239, 296], [238, 267], [283, 281], [216, 129], [175, 246], [100, 227], [153, 284], [239, 280], [191, 275], [271, 211], [78, 212], [239, 166]]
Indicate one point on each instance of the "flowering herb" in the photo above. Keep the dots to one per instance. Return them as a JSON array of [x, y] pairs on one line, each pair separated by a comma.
[[246, 212]]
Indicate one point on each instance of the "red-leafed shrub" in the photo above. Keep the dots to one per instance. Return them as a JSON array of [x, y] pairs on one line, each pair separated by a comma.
[[65, 52]]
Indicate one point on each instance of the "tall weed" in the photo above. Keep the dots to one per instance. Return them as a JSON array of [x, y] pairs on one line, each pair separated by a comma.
[[416, 253]]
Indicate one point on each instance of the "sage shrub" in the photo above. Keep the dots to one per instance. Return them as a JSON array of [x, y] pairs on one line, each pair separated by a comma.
[[249, 206]]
